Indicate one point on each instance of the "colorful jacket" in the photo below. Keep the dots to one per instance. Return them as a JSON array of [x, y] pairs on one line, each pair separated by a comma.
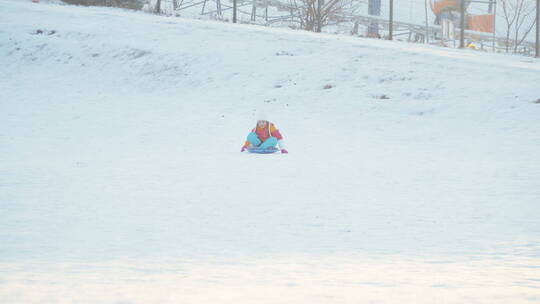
[[265, 133]]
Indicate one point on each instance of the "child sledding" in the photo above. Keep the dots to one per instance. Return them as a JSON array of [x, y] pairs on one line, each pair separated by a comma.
[[264, 138]]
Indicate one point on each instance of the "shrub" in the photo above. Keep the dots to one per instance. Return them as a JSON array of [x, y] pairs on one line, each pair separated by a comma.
[[130, 4]]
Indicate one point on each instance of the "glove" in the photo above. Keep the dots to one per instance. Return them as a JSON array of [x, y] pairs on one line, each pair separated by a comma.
[[284, 151], [243, 149]]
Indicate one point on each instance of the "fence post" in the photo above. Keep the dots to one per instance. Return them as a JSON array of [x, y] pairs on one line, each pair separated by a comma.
[[462, 24], [427, 23], [319, 21], [374, 9], [537, 28], [234, 11], [391, 25], [158, 7], [493, 9]]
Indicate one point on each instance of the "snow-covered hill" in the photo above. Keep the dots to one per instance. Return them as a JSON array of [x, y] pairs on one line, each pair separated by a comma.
[[412, 175]]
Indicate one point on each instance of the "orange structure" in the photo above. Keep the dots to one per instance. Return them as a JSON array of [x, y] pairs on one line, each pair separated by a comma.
[[438, 6], [449, 9], [481, 23]]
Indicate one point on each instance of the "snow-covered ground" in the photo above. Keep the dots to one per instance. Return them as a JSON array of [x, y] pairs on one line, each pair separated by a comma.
[[413, 173]]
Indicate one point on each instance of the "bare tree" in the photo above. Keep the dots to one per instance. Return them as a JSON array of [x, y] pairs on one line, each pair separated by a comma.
[[313, 15], [518, 21]]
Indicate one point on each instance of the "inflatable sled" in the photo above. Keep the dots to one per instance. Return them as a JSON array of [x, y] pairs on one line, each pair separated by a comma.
[[262, 151]]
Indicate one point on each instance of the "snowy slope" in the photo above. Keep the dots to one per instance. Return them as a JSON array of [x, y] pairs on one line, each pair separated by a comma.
[[414, 178]]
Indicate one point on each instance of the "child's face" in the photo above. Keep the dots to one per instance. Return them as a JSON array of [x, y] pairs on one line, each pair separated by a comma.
[[261, 123]]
